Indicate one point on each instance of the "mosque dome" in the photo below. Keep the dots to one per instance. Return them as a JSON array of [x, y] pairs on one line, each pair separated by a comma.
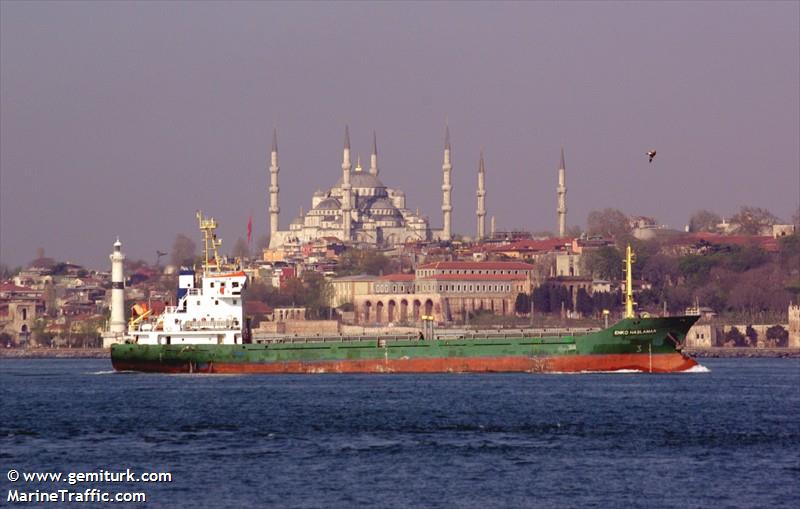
[[329, 204], [382, 204], [361, 179]]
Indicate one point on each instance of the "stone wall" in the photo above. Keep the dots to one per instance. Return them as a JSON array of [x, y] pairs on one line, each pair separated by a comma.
[[707, 335], [794, 326]]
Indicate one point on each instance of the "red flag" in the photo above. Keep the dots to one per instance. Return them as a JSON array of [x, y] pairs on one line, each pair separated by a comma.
[[250, 229]]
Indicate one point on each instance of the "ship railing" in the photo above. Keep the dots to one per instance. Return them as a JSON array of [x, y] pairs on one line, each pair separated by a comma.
[[191, 325], [336, 338], [443, 336], [516, 334]]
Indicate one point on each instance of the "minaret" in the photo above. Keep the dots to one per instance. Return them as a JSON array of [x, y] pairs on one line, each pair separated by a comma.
[[346, 187], [492, 228], [116, 326], [447, 187], [373, 160], [274, 209], [481, 212], [562, 197]]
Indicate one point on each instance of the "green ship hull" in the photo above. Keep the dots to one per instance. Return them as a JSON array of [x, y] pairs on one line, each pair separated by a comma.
[[640, 344]]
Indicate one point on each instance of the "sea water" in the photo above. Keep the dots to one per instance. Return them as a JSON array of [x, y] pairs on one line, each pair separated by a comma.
[[729, 437]]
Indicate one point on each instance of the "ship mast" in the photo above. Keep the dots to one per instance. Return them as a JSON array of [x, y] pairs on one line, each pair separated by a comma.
[[629, 259], [210, 241]]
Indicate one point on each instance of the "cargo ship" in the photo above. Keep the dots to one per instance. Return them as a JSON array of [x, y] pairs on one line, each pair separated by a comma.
[[207, 332]]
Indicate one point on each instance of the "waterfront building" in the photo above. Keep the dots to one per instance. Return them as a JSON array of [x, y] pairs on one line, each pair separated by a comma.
[[19, 309], [447, 291]]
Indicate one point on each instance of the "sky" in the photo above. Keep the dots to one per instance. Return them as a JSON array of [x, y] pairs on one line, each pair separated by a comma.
[[124, 118]]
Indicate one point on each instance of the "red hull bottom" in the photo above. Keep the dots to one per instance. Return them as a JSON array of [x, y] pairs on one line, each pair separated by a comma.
[[657, 363]]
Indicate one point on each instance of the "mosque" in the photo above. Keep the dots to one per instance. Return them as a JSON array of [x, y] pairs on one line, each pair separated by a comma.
[[360, 209]]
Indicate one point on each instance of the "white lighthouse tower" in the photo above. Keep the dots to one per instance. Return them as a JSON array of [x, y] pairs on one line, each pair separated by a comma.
[[116, 326]]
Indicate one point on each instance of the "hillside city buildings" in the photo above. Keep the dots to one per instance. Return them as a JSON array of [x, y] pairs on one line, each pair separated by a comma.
[[439, 275]]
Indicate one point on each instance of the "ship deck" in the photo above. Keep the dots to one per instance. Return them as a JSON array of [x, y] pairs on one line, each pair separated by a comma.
[[448, 334]]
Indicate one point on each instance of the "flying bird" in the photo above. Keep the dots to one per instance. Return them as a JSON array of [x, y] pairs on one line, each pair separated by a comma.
[[651, 154]]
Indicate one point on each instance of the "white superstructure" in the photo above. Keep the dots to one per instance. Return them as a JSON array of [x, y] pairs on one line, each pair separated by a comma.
[[209, 309], [212, 314]]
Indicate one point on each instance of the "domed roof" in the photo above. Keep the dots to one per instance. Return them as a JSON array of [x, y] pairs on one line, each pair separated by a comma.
[[362, 179], [382, 203], [328, 204]]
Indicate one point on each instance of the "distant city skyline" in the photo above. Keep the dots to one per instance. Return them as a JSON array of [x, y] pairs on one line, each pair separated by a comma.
[[123, 119]]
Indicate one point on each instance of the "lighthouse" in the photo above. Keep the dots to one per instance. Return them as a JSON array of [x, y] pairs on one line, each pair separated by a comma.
[[116, 326]]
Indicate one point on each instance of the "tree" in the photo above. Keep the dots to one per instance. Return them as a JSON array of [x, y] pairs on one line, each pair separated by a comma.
[[183, 251], [522, 305], [559, 296], [606, 300], [574, 231], [262, 242], [778, 334], [751, 335], [294, 289], [712, 295], [704, 221], [241, 249], [604, 262], [317, 293], [678, 297], [584, 304], [757, 292], [541, 299], [790, 251], [695, 269], [752, 220], [364, 261], [39, 335], [734, 337], [89, 332], [608, 223], [745, 258], [660, 271]]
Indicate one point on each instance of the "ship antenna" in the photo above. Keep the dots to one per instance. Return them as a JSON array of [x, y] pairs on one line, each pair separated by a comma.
[[629, 259]]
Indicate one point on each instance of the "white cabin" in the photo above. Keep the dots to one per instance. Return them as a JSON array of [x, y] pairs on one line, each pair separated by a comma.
[[210, 315]]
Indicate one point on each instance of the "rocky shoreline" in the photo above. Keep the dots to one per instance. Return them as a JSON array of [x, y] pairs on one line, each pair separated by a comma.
[[728, 352]]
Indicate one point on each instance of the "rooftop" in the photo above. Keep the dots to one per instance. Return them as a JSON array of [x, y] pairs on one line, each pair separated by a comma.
[[477, 266]]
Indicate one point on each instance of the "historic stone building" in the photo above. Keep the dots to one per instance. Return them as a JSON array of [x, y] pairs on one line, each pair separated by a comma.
[[19, 309], [359, 208], [447, 291]]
